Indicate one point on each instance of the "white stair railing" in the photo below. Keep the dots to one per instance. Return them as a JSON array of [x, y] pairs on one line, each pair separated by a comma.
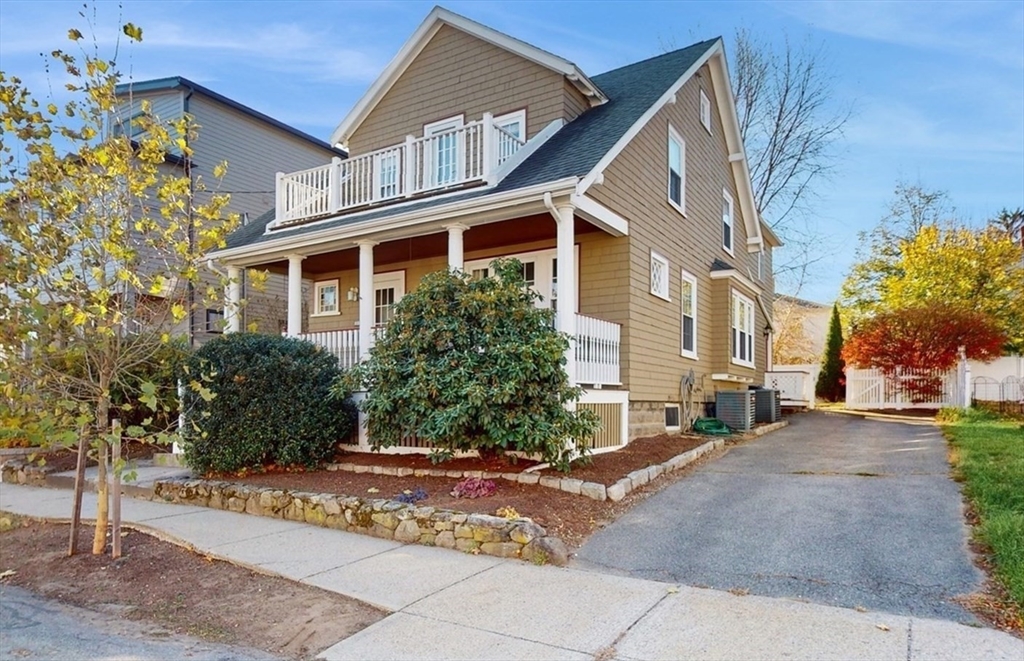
[[597, 351]]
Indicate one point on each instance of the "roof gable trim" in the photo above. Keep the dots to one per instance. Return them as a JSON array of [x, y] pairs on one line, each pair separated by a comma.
[[714, 56], [422, 36]]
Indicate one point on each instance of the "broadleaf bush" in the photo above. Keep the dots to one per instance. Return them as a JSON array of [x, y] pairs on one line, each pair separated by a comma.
[[258, 399], [473, 364]]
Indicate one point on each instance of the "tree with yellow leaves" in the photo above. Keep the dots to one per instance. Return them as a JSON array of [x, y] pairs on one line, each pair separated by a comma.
[[99, 242]]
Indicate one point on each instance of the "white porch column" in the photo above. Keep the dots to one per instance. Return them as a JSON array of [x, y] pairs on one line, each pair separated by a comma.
[[455, 258], [566, 316], [365, 298], [232, 304], [295, 295]]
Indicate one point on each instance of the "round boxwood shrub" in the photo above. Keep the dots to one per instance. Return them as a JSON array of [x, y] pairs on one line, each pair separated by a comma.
[[253, 400]]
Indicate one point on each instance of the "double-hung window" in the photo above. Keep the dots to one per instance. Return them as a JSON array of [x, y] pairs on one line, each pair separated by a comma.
[[325, 295], [742, 335], [676, 170], [386, 165], [727, 222], [688, 318]]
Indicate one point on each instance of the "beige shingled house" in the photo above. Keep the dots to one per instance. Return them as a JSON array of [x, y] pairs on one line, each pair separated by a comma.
[[626, 196]]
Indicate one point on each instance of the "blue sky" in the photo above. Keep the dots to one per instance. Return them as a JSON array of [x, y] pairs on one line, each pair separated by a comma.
[[937, 88]]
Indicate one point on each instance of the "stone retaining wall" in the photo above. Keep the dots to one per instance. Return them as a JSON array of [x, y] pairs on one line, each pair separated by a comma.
[[19, 470], [473, 533]]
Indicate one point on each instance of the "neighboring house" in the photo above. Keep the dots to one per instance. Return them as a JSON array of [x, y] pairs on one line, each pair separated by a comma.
[[255, 147], [800, 330], [626, 196]]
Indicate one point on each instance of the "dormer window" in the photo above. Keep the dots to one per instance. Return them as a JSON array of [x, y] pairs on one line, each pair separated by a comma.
[[511, 129]]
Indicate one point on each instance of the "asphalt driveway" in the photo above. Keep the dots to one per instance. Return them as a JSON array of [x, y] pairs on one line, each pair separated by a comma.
[[833, 509]]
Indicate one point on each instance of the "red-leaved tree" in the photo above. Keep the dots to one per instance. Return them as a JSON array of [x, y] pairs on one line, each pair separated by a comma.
[[920, 341]]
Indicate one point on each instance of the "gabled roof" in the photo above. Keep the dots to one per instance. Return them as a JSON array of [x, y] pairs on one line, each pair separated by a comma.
[[178, 82], [437, 18], [574, 151]]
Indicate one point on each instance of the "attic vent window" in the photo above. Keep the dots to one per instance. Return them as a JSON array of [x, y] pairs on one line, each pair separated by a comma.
[[671, 417], [705, 111], [659, 276]]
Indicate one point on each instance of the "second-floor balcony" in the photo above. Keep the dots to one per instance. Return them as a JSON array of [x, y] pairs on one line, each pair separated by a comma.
[[446, 157]]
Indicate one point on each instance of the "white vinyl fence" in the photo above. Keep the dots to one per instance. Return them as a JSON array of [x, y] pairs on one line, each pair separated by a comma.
[[907, 389]]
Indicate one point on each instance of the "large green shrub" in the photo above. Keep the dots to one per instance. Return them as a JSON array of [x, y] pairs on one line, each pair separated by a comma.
[[473, 365], [257, 399]]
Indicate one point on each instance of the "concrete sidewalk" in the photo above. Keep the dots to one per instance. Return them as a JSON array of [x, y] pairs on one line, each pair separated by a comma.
[[449, 605]]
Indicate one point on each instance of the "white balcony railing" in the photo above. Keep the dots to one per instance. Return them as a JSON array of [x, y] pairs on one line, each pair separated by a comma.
[[597, 349], [447, 159]]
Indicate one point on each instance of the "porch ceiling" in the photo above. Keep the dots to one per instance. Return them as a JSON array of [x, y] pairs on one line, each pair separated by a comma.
[[527, 229]]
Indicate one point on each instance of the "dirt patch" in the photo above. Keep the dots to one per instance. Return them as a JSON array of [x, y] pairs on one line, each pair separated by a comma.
[[567, 516], [183, 591]]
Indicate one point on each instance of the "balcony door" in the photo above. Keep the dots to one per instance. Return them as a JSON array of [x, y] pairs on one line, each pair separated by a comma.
[[443, 153], [388, 290]]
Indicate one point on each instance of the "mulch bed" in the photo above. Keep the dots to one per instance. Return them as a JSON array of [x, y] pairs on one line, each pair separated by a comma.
[[609, 467], [567, 516], [182, 591]]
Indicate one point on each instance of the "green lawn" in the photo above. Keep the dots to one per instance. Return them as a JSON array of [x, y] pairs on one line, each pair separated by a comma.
[[988, 456]]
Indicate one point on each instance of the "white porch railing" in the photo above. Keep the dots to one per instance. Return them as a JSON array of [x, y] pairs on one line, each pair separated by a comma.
[[597, 351], [469, 153], [344, 344]]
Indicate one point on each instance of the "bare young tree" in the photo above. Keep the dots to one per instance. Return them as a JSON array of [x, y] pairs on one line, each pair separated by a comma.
[[788, 121], [790, 126]]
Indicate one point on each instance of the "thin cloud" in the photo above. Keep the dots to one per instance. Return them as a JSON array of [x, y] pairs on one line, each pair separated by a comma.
[[888, 124], [285, 47], [988, 30]]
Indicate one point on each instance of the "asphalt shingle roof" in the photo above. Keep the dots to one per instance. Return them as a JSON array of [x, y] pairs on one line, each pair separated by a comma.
[[573, 151]]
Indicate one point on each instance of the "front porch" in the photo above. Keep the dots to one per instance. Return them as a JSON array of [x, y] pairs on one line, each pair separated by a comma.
[[340, 294]]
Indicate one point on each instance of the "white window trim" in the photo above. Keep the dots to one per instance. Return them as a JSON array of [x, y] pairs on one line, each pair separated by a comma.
[[705, 111], [658, 257], [679, 417], [674, 135], [321, 284], [733, 353], [686, 276], [732, 224], [760, 265]]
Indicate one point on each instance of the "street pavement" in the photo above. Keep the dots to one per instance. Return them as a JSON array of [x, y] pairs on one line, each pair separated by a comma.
[[37, 629], [833, 509], [450, 605]]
